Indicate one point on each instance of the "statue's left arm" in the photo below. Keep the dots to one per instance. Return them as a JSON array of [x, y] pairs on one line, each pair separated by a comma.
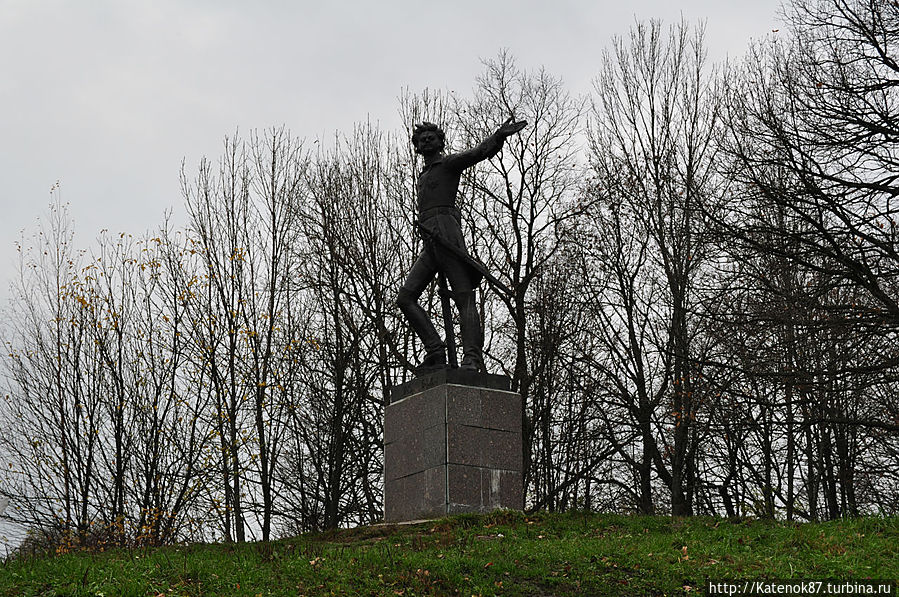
[[487, 148]]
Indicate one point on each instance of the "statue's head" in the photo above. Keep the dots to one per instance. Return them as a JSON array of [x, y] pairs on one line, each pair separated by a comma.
[[427, 137]]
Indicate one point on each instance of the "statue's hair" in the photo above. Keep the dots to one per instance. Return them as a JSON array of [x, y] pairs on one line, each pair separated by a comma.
[[425, 127]]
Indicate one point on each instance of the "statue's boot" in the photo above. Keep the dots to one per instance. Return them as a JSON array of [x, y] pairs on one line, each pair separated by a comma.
[[435, 349], [470, 328]]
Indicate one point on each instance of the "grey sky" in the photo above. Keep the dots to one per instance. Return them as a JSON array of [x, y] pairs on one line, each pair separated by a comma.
[[108, 97]]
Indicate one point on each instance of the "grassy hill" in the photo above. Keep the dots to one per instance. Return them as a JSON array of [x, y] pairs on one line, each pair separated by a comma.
[[504, 553]]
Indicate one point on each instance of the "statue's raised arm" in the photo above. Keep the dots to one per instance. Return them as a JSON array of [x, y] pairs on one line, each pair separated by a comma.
[[445, 254], [488, 148], [510, 127]]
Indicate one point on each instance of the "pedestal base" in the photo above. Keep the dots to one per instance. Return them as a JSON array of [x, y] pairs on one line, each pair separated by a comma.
[[451, 448]]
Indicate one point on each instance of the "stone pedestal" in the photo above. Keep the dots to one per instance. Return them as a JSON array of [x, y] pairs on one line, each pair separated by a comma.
[[452, 443]]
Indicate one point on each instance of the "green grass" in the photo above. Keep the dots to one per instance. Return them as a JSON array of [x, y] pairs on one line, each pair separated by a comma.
[[506, 553]]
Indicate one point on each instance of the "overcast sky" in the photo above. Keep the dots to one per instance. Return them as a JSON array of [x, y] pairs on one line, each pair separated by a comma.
[[108, 97]]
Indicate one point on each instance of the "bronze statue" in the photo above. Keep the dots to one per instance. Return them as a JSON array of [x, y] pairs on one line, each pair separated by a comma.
[[445, 254]]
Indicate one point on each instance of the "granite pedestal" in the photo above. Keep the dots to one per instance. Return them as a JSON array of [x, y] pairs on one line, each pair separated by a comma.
[[452, 444]]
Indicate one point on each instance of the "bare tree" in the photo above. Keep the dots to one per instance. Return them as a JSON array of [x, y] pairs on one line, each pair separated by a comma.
[[812, 131], [516, 206], [106, 445], [52, 412], [244, 226], [810, 125], [350, 252], [652, 149]]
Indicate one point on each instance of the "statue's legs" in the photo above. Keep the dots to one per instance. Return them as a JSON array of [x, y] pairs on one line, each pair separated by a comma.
[[462, 282], [470, 330], [407, 300]]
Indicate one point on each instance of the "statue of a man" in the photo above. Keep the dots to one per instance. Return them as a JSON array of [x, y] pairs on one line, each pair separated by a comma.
[[445, 252]]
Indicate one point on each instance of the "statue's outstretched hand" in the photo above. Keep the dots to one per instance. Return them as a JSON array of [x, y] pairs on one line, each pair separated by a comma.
[[510, 127]]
